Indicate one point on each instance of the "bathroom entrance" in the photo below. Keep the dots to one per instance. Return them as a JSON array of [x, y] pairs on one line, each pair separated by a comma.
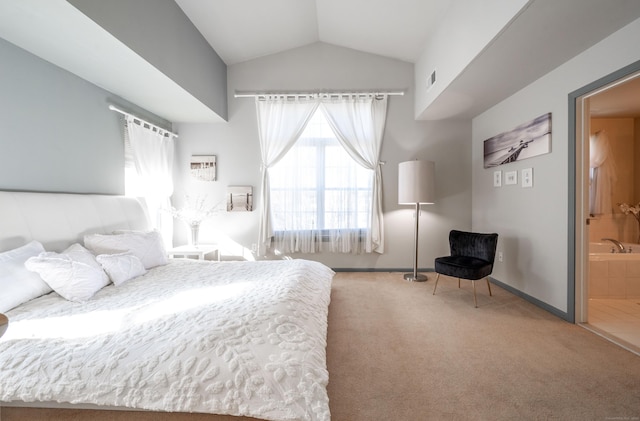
[[607, 228]]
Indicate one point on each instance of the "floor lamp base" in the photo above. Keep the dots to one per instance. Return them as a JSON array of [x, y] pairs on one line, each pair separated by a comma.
[[414, 278]]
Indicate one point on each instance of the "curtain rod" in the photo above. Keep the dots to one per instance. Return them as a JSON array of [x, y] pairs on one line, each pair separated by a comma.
[[118, 110], [260, 94]]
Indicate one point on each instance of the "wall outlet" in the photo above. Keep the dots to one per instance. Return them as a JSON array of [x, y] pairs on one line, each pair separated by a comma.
[[500, 257], [254, 248]]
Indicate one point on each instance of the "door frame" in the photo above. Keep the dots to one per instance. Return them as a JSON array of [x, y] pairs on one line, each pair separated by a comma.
[[578, 235]]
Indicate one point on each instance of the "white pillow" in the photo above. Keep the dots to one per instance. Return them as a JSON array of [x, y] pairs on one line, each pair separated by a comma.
[[121, 267], [146, 246], [74, 273], [78, 253], [17, 284]]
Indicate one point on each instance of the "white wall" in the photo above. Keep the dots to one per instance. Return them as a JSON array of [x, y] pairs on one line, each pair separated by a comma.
[[533, 223], [466, 30], [330, 68]]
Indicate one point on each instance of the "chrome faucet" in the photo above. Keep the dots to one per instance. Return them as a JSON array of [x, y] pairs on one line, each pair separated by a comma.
[[617, 243]]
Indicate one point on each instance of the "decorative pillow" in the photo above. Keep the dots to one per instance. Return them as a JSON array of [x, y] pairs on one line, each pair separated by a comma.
[[146, 246], [121, 267], [74, 276], [78, 253], [17, 284]]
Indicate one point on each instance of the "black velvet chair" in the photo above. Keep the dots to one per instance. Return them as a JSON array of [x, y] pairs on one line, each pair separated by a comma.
[[472, 257]]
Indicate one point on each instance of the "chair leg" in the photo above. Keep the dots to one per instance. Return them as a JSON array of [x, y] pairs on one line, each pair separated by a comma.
[[489, 286], [458, 282], [475, 300], [436, 284]]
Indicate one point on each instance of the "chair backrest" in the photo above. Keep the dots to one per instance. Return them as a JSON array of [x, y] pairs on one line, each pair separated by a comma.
[[473, 244]]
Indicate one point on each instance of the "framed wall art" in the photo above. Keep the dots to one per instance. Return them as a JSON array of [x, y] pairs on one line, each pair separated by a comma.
[[530, 139], [203, 167], [239, 199]]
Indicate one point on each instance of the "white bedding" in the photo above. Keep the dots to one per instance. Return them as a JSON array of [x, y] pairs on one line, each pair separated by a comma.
[[238, 338]]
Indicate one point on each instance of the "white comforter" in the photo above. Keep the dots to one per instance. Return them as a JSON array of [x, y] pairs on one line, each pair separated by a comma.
[[239, 338]]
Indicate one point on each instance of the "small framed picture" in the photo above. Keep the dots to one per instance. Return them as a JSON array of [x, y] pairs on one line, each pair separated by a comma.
[[239, 199], [203, 167]]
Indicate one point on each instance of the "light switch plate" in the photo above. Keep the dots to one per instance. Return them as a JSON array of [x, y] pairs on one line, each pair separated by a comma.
[[497, 178], [527, 177], [511, 177]]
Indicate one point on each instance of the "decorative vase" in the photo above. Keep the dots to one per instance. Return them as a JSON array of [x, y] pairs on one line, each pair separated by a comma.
[[195, 230]]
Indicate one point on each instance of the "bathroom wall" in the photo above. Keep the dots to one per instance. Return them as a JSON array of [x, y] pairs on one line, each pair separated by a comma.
[[625, 146]]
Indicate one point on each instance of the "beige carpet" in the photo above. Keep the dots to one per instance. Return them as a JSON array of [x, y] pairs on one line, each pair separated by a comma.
[[397, 352]]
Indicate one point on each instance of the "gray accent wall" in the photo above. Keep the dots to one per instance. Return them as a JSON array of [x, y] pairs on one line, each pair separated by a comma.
[[534, 223], [160, 32], [329, 68], [56, 132]]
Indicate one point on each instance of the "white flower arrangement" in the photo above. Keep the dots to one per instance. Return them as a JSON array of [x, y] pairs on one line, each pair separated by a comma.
[[633, 210], [195, 210]]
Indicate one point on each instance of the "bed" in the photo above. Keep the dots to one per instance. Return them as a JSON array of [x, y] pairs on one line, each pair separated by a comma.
[[235, 338]]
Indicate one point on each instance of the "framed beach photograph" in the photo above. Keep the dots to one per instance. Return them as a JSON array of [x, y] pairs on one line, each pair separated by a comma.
[[239, 199], [203, 167], [530, 139]]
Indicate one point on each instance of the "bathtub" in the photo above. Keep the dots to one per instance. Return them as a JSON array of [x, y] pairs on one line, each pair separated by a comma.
[[614, 275], [602, 251]]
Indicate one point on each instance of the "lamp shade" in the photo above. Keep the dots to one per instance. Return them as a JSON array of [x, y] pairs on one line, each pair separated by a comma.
[[416, 182]]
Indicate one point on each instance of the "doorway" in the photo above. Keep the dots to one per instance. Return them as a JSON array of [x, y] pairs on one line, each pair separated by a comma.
[[606, 300]]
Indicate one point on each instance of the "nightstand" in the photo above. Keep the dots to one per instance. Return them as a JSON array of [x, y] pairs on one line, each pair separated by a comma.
[[199, 251]]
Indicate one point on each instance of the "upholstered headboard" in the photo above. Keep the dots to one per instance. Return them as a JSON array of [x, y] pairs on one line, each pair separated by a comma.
[[58, 220]]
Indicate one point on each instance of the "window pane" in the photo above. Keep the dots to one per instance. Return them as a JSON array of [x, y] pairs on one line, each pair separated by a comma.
[[318, 186]]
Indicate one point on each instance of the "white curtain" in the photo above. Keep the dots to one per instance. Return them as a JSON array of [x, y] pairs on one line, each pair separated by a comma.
[[358, 123], [153, 153], [280, 123], [602, 174]]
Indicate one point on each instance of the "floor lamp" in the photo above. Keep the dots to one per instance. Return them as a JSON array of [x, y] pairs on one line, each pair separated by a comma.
[[416, 186]]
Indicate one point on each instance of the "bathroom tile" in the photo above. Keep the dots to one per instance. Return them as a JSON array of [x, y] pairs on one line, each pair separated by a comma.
[[633, 288], [618, 318], [598, 287], [616, 327], [598, 269], [633, 269], [631, 337], [617, 287], [617, 269], [607, 307]]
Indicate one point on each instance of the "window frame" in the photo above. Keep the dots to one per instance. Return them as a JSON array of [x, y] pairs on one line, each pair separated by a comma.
[[321, 145]]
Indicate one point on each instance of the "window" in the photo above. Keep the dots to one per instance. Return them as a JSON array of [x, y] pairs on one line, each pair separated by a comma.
[[318, 187], [316, 198]]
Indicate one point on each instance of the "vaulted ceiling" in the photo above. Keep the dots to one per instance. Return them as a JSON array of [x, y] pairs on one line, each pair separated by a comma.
[[247, 29], [544, 35]]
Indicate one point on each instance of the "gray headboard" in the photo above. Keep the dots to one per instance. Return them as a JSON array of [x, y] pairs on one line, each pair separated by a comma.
[[58, 220]]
